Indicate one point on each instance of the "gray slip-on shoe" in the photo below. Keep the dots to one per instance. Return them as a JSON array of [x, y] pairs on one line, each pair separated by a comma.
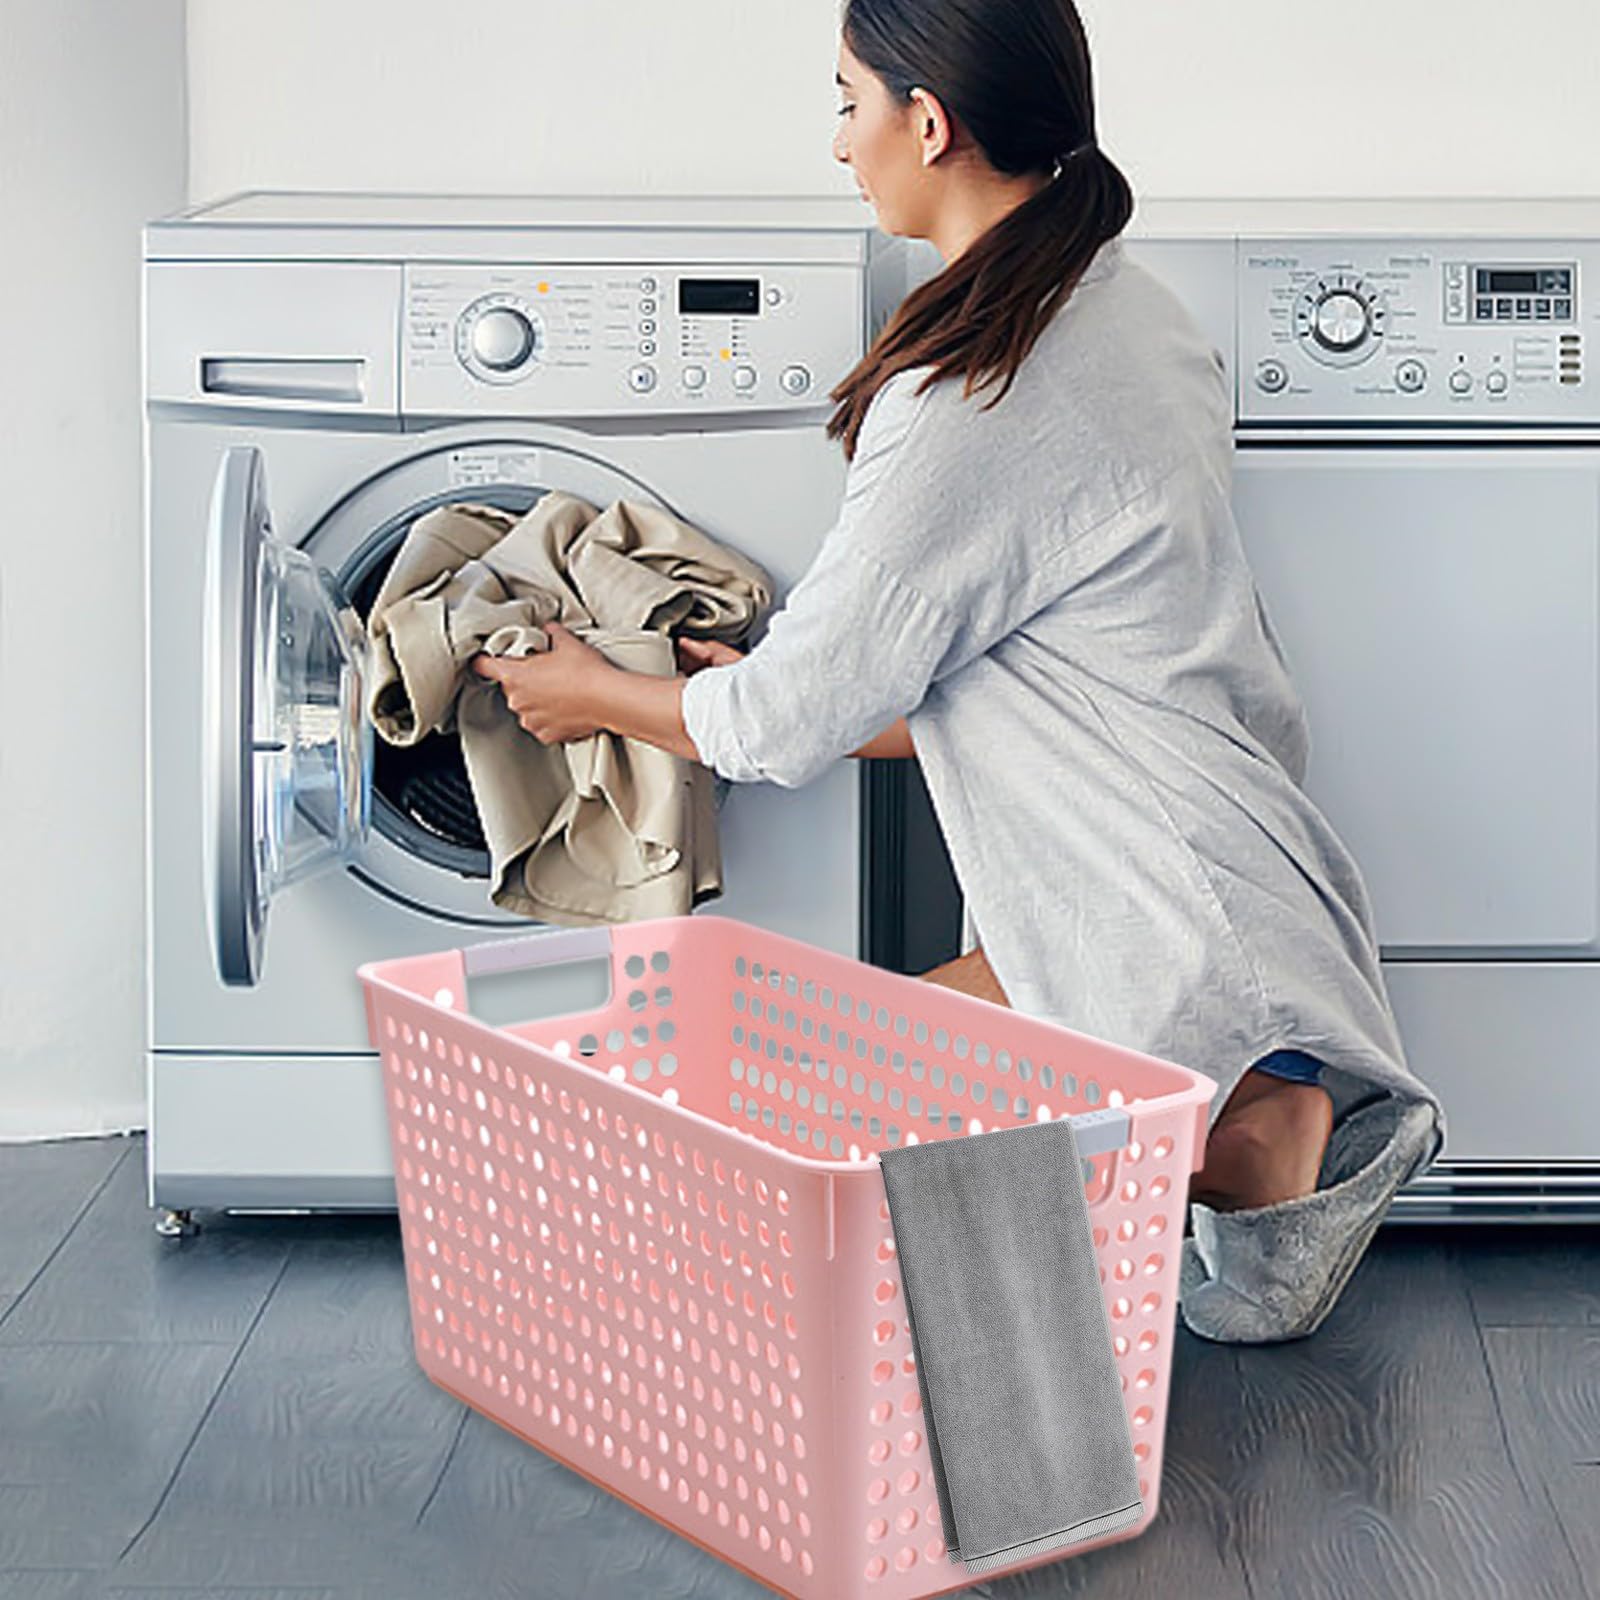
[[1271, 1273]]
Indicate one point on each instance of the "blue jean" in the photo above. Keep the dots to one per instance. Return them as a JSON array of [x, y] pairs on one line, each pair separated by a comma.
[[1295, 1065]]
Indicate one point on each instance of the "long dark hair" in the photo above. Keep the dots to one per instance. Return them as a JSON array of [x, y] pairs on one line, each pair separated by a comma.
[[1016, 75]]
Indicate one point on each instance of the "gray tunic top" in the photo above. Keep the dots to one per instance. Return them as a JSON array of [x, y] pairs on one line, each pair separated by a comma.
[[1054, 594]]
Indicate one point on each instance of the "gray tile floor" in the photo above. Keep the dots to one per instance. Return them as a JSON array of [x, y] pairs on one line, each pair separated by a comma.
[[239, 1415]]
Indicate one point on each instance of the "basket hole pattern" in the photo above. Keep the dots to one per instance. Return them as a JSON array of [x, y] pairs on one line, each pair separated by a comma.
[[605, 1286], [640, 995], [822, 1072]]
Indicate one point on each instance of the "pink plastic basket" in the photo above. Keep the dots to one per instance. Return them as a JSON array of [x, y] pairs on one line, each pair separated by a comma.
[[652, 1240]]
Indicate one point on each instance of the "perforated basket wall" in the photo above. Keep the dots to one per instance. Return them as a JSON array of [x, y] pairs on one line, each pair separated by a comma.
[[652, 1239]]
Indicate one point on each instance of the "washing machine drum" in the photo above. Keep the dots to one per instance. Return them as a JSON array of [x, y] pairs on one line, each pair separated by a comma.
[[421, 797]]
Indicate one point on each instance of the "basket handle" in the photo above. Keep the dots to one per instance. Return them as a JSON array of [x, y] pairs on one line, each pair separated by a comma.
[[1097, 1133], [536, 950]]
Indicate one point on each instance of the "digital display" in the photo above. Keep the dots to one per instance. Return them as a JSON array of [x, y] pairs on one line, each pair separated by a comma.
[[1506, 281], [719, 297], [1525, 280]]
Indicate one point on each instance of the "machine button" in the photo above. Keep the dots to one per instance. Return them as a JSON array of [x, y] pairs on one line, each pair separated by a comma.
[[795, 380], [1563, 309], [1541, 309], [1524, 309], [1410, 376], [1461, 381], [1272, 376], [744, 377], [647, 285], [1495, 382], [1503, 307], [647, 347], [774, 296], [1485, 310], [647, 308], [642, 378], [694, 377], [647, 326]]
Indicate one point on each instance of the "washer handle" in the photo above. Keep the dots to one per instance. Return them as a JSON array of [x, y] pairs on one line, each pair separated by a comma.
[[536, 950]]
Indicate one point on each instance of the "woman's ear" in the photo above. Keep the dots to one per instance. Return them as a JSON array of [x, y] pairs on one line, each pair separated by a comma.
[[932, 125]]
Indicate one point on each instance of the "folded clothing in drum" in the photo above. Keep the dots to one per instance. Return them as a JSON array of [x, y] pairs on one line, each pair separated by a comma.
[[600, 829]]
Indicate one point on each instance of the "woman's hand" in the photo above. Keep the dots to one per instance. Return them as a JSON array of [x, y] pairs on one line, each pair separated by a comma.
[[694, 654], [555, 693]]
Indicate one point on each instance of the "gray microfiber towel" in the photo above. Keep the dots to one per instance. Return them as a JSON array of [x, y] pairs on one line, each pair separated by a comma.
[[1271, 1273], [1026, 1422]]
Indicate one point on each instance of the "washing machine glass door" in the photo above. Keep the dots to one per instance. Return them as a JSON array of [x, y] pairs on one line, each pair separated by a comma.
[[287, 748]]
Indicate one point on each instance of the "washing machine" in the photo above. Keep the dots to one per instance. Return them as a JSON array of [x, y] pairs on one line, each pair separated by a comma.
[[319, 371]]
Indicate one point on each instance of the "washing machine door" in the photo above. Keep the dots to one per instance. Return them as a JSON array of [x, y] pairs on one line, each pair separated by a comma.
[[287, 748]]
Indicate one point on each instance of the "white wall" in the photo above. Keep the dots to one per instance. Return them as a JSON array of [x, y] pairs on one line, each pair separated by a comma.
[[92, 141], [519, 96], [1196, 97]]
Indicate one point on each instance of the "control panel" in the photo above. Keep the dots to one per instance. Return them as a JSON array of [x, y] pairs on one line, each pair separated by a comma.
[[567, 340], [1416, 330]]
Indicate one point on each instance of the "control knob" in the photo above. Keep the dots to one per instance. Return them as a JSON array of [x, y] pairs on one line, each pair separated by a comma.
[[502, 338], [1341, 321]]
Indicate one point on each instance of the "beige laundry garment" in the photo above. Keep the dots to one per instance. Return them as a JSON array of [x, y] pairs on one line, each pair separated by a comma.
[[593, 830]]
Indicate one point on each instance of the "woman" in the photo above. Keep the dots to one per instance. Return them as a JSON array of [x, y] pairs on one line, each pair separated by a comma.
[[1044, 599]]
